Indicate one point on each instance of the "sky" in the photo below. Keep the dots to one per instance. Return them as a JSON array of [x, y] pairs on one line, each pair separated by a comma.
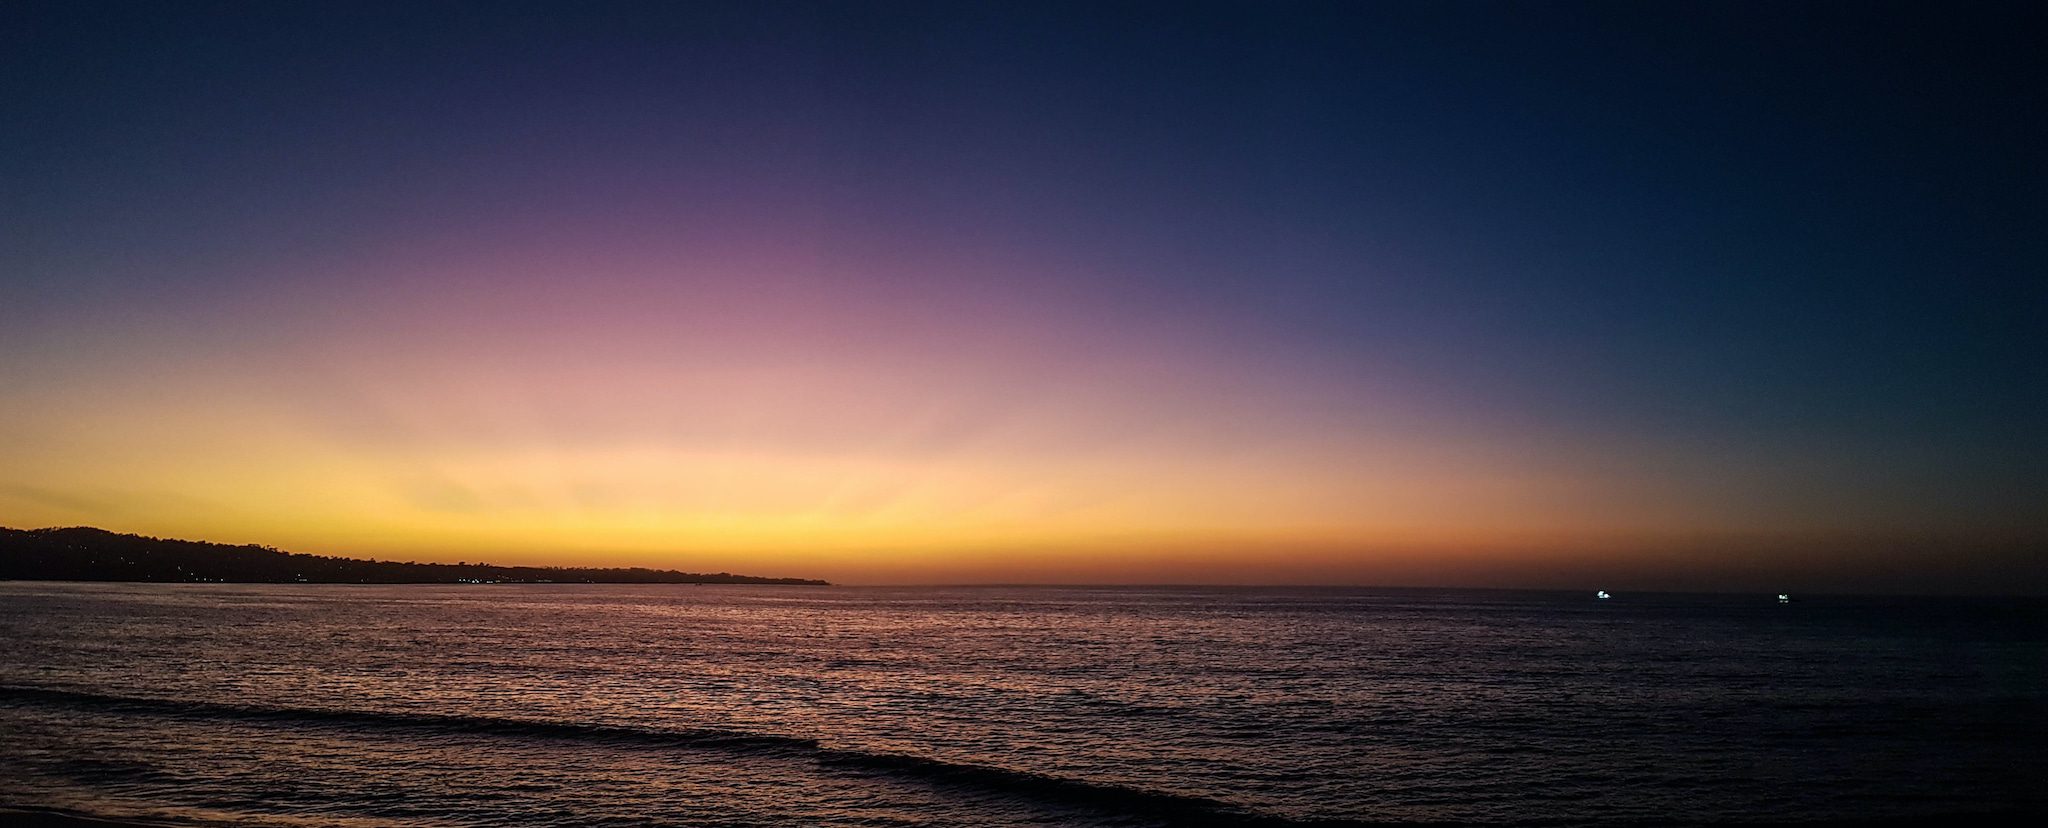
[[1674, 295]]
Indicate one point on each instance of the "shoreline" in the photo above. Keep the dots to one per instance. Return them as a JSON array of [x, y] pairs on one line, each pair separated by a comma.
[[24, 816]]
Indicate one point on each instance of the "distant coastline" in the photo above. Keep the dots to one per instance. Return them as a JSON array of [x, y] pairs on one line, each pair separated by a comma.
[[83, 553]]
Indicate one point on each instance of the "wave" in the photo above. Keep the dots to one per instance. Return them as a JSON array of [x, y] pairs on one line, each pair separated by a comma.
[[1143, 804]]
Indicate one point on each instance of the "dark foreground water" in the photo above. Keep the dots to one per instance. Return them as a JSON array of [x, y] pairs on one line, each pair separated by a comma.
[[652, 705]]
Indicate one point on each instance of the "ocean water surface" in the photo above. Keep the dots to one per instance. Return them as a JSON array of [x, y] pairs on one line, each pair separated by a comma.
[[560, 705]]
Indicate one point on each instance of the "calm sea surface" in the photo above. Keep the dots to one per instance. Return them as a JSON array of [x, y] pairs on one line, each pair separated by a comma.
[[685, 705]]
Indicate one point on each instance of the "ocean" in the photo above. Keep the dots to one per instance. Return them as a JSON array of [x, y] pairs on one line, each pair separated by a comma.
[[576, 705]]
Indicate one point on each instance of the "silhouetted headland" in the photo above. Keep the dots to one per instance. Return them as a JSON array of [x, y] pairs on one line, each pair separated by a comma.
[[88, 554]]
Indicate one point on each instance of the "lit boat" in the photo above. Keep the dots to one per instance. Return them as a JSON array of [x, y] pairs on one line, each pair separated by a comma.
[[1602, 595]]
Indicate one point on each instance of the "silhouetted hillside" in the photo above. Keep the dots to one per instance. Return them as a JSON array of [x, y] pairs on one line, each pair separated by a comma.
[[87, 554]]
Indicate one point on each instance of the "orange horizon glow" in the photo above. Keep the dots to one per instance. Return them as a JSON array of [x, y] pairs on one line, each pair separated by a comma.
[[787, 425]]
